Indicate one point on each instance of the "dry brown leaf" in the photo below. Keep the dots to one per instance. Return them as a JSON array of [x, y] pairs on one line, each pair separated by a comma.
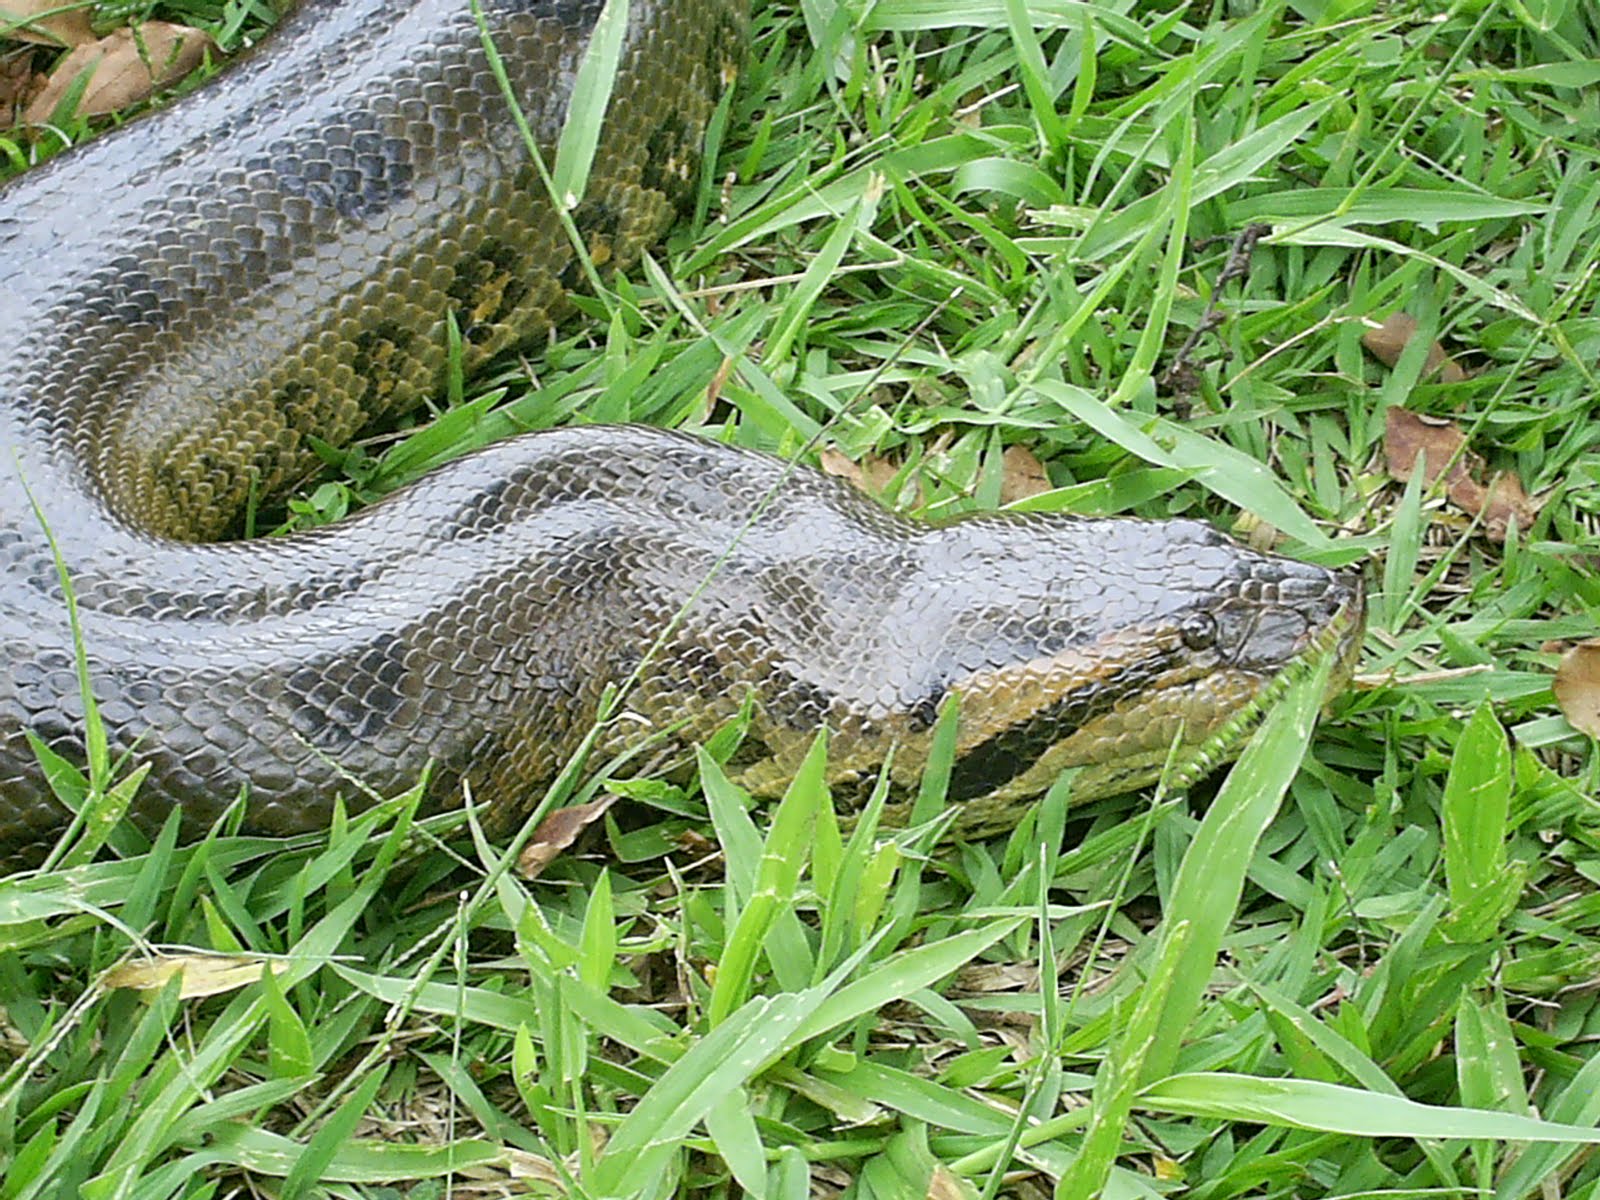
[[557, 832], [1388, 342], [999, 977], [535, 1167], [695, 844], [874, 474], [1021, 475], [1577, 686], [1407, 436], [1442, 446], [1505, 501], [18, 83], [127, 67], [878, 475], [836, 464], [45, 22], [202, 974], [714, 388]]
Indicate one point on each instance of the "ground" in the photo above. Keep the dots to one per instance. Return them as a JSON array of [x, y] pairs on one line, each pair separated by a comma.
[[1359, 965]]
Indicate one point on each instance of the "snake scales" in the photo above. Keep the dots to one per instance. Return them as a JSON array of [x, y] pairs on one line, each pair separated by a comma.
[[187, 302]]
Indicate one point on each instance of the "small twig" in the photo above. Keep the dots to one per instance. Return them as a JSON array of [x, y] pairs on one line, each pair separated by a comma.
[[1179, 375], [751, 285], [1390, 678]]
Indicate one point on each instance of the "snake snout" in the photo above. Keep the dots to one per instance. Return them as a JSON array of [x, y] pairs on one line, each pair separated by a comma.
[[1282, 609]]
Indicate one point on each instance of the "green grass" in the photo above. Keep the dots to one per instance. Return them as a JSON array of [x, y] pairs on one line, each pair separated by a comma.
[[1365, 968]]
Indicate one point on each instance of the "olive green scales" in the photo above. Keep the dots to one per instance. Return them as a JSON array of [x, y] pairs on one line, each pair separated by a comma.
[[185, 303]]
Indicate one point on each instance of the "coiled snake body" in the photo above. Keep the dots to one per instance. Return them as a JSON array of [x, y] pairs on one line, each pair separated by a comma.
[[187, 302]]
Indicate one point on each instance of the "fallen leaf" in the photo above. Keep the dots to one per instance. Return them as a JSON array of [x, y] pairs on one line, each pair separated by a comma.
[[874, 474], [1021, 475], [878, 476], [125, 67], [1409, 436], [836, 464], [521, 1164], [202, 974], [1388, 342], [714, 388], [1507, 501], [47, 22], [18, 83], [1577, 687], [557, 832], [998, 977]]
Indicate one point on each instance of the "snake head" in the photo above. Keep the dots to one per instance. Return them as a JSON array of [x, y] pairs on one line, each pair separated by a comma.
[[1159, 650]]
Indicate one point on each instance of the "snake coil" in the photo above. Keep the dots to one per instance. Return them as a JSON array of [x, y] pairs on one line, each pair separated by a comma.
[[189, 303]]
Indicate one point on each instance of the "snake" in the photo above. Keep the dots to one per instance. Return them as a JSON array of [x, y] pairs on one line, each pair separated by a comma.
[[307, 247]]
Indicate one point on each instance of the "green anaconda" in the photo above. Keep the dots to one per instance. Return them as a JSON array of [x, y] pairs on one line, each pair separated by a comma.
[[185, 305]]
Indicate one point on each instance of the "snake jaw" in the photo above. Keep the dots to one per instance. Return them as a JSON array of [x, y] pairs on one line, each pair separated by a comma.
[[1153, 700], [1190, 723], [1145, 700]]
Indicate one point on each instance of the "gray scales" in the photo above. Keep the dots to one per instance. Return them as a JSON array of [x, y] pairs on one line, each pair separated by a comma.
[[187, 301]]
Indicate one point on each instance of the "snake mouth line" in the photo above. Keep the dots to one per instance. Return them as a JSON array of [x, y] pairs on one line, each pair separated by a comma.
[[994, 809], [1340, 639]]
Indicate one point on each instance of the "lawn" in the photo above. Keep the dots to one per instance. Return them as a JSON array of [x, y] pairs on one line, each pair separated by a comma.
[[1366, 962]]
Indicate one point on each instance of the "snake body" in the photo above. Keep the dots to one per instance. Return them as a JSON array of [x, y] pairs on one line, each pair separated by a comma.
[[188, 303]]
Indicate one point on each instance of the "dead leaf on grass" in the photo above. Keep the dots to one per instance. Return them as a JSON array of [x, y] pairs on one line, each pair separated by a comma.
[[126, 66], [45, 22], [18, 83], [1021, 475], [696, 845], [1409, 436], [714, 388], [943, 1184], [202, 974], [535, 1168], [834, 462], [998, 977], [557, 832], [1577, 686], [1388, 342], [874, 474], [1505, 501]]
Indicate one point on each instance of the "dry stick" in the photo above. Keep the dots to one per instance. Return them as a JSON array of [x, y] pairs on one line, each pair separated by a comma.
[[1237, 267]]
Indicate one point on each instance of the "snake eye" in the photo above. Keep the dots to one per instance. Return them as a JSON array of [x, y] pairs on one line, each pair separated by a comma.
[[1198, 631]]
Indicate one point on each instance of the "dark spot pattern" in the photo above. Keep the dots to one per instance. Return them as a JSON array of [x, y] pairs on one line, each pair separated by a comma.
[[1004, 756]]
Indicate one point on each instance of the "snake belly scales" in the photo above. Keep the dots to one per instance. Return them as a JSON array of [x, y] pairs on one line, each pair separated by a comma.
[[188, 302]]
